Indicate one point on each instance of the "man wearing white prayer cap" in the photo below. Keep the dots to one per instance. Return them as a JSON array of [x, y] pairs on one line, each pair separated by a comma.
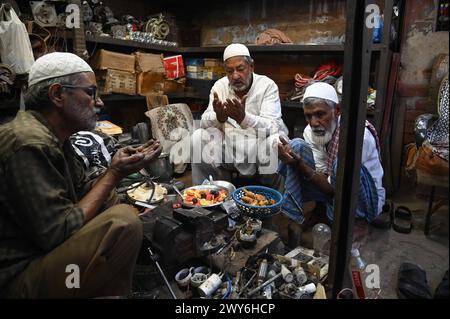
[[309, 167], [61, 235], [244, 119]]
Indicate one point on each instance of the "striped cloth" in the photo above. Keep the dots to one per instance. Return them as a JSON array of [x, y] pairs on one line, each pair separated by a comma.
[[333, 145]]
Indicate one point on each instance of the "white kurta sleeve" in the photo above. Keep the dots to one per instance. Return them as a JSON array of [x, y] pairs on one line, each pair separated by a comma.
[[270, 112], [209, 118]]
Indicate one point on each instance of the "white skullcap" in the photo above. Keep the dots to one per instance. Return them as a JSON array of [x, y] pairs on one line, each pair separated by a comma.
[[235, 49], [321, 90], [56, 64]]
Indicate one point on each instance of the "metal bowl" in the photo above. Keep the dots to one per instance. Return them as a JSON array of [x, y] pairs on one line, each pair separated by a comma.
[[206, 187], [230, 187]]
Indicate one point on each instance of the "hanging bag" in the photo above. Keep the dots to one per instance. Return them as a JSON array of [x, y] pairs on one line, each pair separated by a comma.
[[15, 46]]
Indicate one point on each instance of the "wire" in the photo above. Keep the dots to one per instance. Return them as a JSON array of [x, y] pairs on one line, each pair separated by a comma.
[[230, 285]]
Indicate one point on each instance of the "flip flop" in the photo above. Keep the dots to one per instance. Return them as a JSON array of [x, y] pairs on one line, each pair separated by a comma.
[[403, 220], [384, 219]]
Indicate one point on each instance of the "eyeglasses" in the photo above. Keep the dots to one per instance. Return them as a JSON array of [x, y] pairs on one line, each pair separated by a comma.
[[89, 90]]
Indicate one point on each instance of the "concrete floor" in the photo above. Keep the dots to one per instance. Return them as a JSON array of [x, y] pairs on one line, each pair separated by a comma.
[[388, 248]]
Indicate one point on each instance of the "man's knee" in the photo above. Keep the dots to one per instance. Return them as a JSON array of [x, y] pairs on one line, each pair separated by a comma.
[[125, 217]]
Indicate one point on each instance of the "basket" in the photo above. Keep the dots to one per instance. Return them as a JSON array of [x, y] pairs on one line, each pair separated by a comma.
[[258, 211]]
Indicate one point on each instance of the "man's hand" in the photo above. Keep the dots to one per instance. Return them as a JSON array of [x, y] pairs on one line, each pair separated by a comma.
[[130, 159], [287, 154], [236, 109], [220, 110]]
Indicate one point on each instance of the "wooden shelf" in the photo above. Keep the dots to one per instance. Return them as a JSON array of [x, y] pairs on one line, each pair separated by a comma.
[[292, 105], [278, 48], [176, 95], [130, 43]]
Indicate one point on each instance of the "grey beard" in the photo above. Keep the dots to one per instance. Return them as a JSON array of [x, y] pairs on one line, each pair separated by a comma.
[[323, 140]]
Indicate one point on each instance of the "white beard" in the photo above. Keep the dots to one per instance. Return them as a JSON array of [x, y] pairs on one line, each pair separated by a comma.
[[322, 140]]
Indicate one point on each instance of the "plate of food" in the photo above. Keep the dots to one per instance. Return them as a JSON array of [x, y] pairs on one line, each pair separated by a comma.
[[143, 192], [204, 196]]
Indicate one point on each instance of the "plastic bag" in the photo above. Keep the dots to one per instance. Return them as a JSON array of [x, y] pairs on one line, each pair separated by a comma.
[[15, 46]]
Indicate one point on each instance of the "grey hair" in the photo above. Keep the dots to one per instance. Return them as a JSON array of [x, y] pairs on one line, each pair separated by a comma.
[[249, 60], [314, 100], [36, 96]]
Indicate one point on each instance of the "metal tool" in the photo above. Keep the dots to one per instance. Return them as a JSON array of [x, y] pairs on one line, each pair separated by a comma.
[[177, 191], [153, 257], [247, 284], [267, 282]]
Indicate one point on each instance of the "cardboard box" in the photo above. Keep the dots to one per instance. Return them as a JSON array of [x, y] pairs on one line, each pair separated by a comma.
[[174, 67], [173, 86], [195, 61], [116, 81], [104, 60], [213, 62], [146, 62], [150, 82], [155, 100], [195, 68]]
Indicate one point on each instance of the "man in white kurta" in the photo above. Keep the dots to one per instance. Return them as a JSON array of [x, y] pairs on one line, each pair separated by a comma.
[[241, 124]]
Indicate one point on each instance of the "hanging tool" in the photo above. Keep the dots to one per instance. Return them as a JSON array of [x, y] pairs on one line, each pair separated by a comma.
[[154, 258]]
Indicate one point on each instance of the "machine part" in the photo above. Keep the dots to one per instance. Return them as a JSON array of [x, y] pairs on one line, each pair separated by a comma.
[[247, 284], [210, 285], [87, 12], [44, 13], [287, 274], [158, 27], [262, 271], [300, 276], [154, 258], [268, 282], [119, 31]]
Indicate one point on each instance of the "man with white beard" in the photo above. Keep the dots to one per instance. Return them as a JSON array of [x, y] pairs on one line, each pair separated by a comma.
[[309, 165]]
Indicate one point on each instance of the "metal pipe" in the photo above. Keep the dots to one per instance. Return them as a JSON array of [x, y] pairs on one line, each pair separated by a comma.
[[268, 282], [247, 284], [162, 273]]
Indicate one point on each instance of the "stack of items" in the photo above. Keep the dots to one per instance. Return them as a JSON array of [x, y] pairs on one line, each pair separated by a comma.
[[175, 75], [205, 69], [150, 73], [115, 72]]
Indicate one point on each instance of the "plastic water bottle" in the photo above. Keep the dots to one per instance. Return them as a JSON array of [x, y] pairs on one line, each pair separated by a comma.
[[357, 272]]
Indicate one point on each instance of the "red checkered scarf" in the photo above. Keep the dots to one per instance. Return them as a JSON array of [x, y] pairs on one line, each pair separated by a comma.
[[333, 145]]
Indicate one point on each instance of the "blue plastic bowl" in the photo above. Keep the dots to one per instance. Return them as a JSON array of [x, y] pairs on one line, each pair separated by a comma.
[[258, 211]]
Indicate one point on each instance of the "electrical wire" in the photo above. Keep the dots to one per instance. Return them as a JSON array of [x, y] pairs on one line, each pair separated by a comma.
[[230, 285]]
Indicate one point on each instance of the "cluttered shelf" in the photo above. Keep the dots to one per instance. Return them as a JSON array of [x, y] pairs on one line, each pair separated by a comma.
[[278, 48]]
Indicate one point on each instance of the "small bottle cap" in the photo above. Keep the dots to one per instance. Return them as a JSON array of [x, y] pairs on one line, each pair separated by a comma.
[[355, 252]]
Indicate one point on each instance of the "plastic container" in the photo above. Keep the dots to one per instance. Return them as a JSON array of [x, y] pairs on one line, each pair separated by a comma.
[[357, 272]]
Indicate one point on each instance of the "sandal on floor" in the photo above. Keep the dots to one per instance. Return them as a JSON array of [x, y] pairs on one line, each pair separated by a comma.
[[384, 219], [402, 220]]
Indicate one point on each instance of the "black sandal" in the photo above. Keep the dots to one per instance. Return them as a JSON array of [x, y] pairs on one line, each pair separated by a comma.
[[384, 219], [403, 220]]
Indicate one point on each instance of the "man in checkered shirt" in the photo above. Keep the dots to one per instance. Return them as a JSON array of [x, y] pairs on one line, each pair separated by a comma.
[[61, 235]]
